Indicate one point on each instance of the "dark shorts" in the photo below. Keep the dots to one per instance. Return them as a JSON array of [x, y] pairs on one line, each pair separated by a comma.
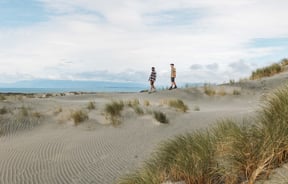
[[172, 79], [151, 82]]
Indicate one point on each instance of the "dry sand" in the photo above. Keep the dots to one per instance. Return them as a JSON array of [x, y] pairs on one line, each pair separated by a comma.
[[47, 148]]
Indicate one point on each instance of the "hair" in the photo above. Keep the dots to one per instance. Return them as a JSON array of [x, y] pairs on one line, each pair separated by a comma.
[[172, 64], [153, 68]]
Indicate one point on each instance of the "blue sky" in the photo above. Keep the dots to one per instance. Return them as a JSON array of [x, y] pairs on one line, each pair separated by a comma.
[[119, 40]]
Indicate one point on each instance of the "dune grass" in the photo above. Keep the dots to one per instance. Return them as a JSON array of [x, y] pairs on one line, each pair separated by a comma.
[[269, 70], [230, 152], [160, 117], [178, 104], [3, 110], [91, 105], [79, 116], [113, 112], [209, 90]]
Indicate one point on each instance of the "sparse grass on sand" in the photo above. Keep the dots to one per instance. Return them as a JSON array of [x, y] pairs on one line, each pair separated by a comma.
[[209, 90], [160, 117], [113, 112], [178, 104], [91, 105], [269, 70], [3, 110], [79, 116], [231, 152]]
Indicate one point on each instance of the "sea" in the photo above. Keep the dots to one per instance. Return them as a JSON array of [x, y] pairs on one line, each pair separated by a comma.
[[63, 90]]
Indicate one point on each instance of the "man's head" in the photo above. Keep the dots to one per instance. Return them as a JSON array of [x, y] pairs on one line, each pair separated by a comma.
[[153, 68], [171, 64]]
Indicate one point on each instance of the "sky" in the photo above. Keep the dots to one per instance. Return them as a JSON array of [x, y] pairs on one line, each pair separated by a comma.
[[211, 41]]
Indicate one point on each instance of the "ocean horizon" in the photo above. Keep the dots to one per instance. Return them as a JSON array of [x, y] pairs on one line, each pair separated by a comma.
[[63, 90]]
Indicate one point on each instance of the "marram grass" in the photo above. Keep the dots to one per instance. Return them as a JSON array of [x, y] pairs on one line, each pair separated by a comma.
[[231, 152]]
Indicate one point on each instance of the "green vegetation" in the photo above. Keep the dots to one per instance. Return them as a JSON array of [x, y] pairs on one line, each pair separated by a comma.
[[160, 117], [208, 90], [222, 92], [79, 116], [196, 108], [231, 152], [269, 70], [2, 97], [178, 104], [3, 110], [146, 103], [91, 105], [113, 112], [236, 92]]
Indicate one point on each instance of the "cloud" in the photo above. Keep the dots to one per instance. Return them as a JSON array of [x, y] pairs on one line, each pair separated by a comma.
[[123, 39], [240, 66], [196, 67], [213, 66]]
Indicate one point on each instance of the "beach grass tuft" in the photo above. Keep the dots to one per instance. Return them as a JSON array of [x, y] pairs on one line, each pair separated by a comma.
[[209, 90], [3, 110], [178, 104], [79, 116], [91, 105], [160, 117], [113, 112]]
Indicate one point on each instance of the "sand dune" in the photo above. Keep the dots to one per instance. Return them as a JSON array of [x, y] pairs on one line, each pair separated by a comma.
[[46, 147]]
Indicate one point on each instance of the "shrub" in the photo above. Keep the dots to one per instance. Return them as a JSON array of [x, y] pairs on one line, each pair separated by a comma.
[[178, 104], [113, 112], [91, 105], [160, 116], [79, 116]]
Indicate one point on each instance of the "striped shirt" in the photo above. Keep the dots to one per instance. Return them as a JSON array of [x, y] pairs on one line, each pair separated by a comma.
[[152, 76]]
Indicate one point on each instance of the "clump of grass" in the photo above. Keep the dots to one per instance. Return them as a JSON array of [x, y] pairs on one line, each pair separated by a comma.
[[160, 117], [91, 105], [178, 104], [58, 110], [3, 110], [113, 112], [266, 71], [36, 115], [222, 92], [2, 97], [209, 90], [146, 103], [133, 103], [196, 108], [24, 111], [236, 92], [138, 110], [79, 116]]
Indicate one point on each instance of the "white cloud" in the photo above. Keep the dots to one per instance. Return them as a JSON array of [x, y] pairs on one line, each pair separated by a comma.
[[83, 36]]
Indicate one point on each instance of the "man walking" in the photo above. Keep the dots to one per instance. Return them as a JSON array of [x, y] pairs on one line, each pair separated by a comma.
[[173, 76], [152, 79]]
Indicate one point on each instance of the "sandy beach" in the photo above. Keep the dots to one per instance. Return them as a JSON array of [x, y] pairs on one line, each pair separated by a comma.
[[47, 147]]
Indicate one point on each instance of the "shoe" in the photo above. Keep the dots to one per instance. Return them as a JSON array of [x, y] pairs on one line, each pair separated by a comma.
[[170, 88], [175, 87]]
